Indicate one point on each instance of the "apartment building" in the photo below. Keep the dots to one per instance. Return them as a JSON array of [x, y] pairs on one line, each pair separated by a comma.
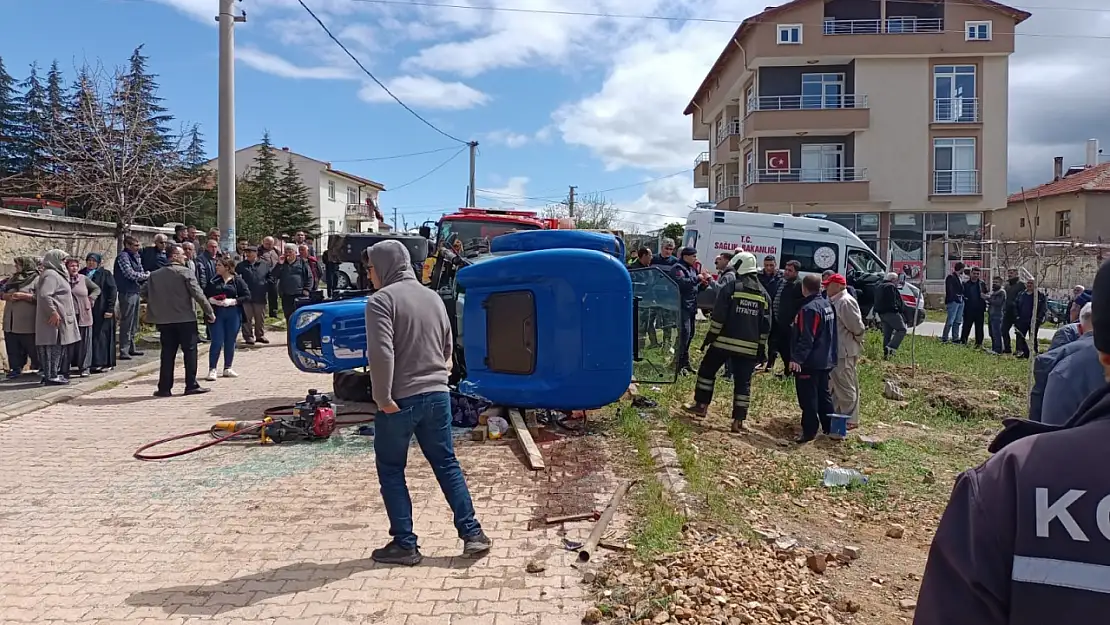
[[887, 116]]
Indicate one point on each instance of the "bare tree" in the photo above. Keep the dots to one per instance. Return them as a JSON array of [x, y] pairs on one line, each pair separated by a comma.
[[107, 157], [592, 211]]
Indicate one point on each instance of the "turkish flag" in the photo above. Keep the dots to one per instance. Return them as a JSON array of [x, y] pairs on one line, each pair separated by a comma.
[[778, 160]]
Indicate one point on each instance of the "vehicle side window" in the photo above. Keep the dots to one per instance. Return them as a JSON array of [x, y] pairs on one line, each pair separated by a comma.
[[863, 261], [690, 238], [814, 256]]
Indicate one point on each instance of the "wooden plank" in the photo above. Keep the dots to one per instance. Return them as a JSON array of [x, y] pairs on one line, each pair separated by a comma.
[[535, 459]]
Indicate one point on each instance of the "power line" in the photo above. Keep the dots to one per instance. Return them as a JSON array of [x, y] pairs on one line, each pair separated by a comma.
[[390, 158], [707, 20], [375, 78], [432, 170]]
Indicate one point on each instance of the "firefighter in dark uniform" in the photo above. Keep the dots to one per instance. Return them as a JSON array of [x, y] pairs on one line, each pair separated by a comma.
[[813, 357], [738, 331], [1025, 539]]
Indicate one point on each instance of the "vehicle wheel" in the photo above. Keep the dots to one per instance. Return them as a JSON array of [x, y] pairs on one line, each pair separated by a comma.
[[342, 282], [353, 386]]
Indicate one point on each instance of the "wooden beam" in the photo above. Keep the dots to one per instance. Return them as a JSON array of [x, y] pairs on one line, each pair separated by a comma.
[[535, 459]]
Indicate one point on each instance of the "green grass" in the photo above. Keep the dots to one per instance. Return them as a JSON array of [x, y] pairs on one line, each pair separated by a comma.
[[954, 398]]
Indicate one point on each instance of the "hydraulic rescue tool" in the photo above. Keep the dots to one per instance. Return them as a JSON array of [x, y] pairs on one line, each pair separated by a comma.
[[313, 419]]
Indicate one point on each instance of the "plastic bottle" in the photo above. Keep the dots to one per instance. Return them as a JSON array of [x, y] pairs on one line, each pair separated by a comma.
[[836, 476]]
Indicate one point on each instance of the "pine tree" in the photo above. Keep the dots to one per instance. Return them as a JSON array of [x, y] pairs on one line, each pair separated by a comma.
[[138, 92], [10, 118], [34, 128], [250, 217], [55, 92], [265, 178], [294, 209], [199, 201]]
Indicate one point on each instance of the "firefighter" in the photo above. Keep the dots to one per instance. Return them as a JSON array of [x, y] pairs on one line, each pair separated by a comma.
[[738, 331]]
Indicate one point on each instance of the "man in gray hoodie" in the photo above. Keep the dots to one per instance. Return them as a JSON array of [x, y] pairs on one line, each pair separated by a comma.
[[409, 345]]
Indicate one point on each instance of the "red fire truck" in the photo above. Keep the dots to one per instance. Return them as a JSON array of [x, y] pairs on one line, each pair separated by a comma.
[[33, 205], [469, 225]]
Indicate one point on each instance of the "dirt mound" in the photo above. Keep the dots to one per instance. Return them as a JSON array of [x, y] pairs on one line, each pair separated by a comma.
[[719, 579]]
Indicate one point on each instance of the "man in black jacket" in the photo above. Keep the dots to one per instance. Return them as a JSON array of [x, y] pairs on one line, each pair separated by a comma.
[[953, 303], [257, 276], [771, 279], [294, 279], [813, 357], [1013, 287], [689, 282], [786, 303], [1023, 540], [889, 307], [975, 307]]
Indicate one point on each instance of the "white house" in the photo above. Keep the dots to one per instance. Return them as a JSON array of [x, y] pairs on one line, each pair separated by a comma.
[[341, 201]]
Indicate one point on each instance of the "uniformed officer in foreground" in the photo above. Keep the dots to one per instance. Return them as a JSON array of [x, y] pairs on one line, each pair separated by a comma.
[[738, 330], [1026, 536]]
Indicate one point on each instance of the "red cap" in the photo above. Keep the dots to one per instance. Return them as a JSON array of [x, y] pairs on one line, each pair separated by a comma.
[[835, 279]]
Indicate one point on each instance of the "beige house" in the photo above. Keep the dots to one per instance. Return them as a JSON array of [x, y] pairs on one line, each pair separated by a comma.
[[1074, 206], [887, 116]]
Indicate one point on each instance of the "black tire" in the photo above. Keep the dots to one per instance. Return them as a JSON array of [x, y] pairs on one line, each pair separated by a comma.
[[352, 386]]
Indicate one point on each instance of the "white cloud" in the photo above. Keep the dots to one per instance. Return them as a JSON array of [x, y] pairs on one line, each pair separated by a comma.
[[508, 138], [273, 64], [426, 92], [663, 201], [512, 194]]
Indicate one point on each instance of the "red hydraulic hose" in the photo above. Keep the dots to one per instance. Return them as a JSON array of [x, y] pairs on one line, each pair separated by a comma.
[[139, 455]]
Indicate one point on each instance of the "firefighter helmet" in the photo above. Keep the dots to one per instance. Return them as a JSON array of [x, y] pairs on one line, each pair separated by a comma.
[[744, 263]]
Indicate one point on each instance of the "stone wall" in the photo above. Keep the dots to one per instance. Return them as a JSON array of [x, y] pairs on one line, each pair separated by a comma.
[[29, 234]]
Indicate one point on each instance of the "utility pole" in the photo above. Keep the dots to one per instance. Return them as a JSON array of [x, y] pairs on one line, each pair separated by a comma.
[[470, 190], [570, 202], [226, 148], [395, 224]]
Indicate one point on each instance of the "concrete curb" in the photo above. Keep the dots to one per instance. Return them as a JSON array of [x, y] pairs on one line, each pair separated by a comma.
[[73, 391]]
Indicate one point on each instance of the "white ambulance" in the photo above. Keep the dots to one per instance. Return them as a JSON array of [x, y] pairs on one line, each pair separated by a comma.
[[817, 244]]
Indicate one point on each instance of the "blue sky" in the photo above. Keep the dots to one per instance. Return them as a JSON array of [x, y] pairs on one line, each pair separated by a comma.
[[554, 100]]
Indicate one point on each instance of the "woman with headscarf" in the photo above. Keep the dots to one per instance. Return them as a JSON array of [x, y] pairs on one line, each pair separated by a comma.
[[103, 315], [85, 293], [18, 295], [55, 318]]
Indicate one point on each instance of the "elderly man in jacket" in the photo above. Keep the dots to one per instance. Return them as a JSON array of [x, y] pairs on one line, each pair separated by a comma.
[[170, 294], [850, 332], [1023, 538], [1072, 331]]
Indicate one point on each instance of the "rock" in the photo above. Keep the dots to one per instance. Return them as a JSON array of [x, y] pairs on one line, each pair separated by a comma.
[[592, 615], [785, 543], [850, 552], [589, 577], [847, 605], [870, 441], [907, 604], [891, 391], [661, 618], [895, 531], [929, 478], [766, 535], [817, 564], [535, 566]]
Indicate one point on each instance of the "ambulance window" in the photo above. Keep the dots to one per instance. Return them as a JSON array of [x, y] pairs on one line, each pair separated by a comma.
[[690, 238], [814, 256], [864, 261]]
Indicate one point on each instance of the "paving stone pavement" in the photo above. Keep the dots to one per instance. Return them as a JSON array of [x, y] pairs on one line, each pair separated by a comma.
[[274, 535]]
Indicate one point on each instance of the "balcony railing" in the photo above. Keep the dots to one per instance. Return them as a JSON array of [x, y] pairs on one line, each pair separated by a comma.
[[360, 212], [702, 158], [806, 174], [956, 110], [731, 129], [891, 26], [956, 182], [727, 191], [810, 102]]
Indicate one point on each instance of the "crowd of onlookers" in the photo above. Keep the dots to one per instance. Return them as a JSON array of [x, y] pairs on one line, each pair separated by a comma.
[[66, 316]]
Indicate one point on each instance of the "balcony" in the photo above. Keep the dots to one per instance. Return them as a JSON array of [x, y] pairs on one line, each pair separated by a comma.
[[848, 184], [956, 111], [730, 197], [701, 171], [359, 212], [728, 140], [815, 114], [956, 182], [891, 26]]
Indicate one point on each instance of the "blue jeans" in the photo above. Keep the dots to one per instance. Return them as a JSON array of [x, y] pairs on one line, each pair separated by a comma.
[[953, 320], [428, 416], [224, 332], [996, 333]]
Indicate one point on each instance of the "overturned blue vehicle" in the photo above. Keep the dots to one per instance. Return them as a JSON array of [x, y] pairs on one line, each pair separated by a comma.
[[543, 319]]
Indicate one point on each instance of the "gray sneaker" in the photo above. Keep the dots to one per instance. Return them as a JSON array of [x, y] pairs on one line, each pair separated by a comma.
[[477, 545]]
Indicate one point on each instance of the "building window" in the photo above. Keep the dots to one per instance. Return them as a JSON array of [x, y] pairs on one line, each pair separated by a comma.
[[749, 167], [790, 33], [954, 97], [352, 195], [954, 171], [1063, 224], [722, 130], [822, 91], [978, 31], [720, 186], [749, 98], [1021, 223], [814, 256], [822, 162], [331, 226], [331, 190]]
